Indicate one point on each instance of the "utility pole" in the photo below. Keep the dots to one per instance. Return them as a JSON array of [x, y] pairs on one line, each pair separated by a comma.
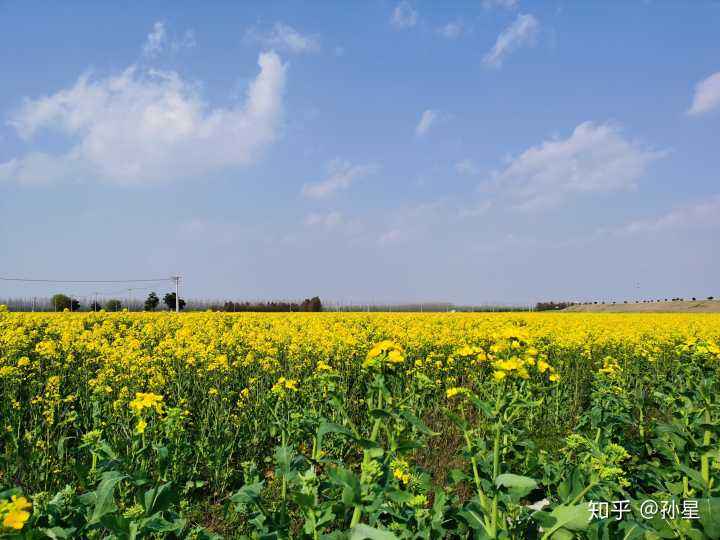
[[177, 293], [95, 304], [129, 299]]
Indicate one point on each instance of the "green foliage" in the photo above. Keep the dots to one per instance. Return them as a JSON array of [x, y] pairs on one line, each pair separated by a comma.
[[113, 305], [152, 301], [169, 301]]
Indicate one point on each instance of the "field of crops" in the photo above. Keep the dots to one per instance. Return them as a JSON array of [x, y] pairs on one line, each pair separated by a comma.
[[354, 426]]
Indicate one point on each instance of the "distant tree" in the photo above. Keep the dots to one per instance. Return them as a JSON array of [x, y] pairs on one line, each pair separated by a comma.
[[315, 304], [546, 306], [169, 300], [152, 302], [711, 298], [95, 306], [61, 302], [113, 305]]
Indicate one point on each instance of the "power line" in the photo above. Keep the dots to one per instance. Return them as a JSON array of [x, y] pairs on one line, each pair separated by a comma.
[[88, 280]]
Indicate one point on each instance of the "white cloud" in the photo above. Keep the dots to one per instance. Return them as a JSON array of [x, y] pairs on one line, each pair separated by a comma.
[[144, 125], [522, 31], [699, 215], [466, 167], [427, 119], [707, 95], [285, 38], [451, 30], [505, 4], [155, 40], [328, 221], [341, 174], [158, 41], [595, 158], [404, 16]]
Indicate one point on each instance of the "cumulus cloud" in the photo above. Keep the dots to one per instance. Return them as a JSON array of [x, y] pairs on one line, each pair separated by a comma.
[[341, 174], [451, 30], [144, 125], [158, 41], [707, 95], [427, 119], [328, 221], [404, 16], [595, 158], [284, 37], [523, 31], [702, 214], [504, 4]]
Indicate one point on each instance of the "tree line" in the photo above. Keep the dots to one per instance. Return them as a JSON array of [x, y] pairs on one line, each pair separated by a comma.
[[63, 302]]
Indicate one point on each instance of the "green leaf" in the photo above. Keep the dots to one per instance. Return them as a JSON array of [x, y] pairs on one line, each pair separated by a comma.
[[159, 498], [104, 495], [573, 518], [156, 523], [709, 511], [58, 533], [364, 532], [248, 494], [306, 500], [417, 423], [517, 486], [329, 427]]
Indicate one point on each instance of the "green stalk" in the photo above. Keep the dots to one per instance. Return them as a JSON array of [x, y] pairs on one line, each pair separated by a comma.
[[284, 478], [496, 472], [584, 492], [705, 458], [357, 512]]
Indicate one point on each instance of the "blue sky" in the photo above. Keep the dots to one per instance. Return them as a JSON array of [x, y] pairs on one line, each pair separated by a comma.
[[480, 151]]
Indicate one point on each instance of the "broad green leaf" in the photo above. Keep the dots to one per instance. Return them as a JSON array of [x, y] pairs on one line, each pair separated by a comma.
[[364, 532], [248, 494], [518, 486], [104, 495]]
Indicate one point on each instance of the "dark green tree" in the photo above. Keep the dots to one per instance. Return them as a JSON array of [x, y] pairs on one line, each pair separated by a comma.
[[169, 300], [113, 305], [152, 302], [61, 302]]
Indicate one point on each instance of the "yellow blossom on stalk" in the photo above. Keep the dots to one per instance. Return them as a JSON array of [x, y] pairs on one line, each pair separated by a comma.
[[385, 350], [323, 366], [140, 426], [401, 470], [14, 513], [144, 401], [457, 390], [283, 385], [610, 366]]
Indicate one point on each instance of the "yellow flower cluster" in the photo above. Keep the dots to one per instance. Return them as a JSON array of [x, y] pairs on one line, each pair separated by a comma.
[[401, 470], [14, 513], [384, 352], [144, 401], [282, 386]]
